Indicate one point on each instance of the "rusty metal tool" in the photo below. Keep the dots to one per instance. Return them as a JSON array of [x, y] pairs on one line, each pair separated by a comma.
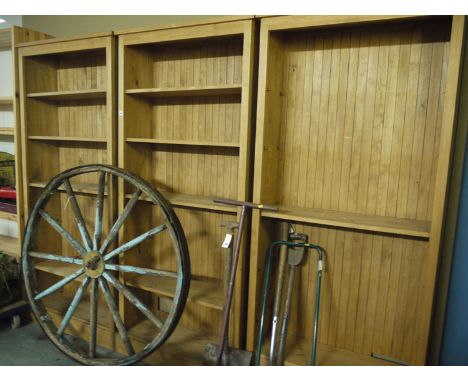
[[216, 354]]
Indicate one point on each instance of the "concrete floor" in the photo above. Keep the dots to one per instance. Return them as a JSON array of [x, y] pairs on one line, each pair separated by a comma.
[[29, 346]]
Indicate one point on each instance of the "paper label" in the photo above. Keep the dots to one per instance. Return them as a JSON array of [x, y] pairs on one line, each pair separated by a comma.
[[320, 267], [227, 241]]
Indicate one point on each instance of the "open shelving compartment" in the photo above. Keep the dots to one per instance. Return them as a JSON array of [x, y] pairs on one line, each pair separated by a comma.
[[67, 95], [354, 125], [11, 236], [185, 100]]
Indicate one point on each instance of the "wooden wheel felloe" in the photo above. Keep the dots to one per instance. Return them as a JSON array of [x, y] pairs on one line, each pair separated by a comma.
[[96, 259]]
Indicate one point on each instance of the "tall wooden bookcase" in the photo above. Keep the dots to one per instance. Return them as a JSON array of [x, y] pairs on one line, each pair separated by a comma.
[[185, 100], [9, 123], [67, 94], [355, 123]]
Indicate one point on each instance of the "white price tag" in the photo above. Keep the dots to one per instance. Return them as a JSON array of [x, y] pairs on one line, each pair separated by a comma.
[[320, 266], [227, 241]]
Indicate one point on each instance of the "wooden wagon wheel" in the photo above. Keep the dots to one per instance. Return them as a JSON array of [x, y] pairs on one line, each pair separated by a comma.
[[96, 263]]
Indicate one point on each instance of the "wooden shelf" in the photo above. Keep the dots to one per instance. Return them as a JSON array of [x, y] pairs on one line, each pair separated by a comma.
[[58, 268], [184, 347], [66, 139], [58, 303], [9, 131], [69, 95], [6, 100], [78, 187], [298, 353], [181, 142], [8, 216], [194, 201], [10, 246], [406, 227], [188, 91], [205, 293]]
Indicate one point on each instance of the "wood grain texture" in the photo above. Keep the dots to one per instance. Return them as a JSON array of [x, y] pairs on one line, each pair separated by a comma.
[[354, 124], [185, 127]]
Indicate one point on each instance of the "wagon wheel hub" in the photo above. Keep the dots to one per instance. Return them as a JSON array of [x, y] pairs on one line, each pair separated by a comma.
[[93, 264]]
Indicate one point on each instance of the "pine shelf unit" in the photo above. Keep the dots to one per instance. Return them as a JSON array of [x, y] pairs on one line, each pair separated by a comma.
[[9, 103], [355, 121], [68, 118], [185, 126]]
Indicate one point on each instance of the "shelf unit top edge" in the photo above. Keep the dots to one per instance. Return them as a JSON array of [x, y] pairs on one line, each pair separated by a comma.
[[381, 224], [286, 23], [207, 21], [65, 39]]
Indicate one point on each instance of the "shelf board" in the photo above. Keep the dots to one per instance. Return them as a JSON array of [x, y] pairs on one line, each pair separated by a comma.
[[66, 139], [78, 187], [187, 91], [298, 353], [10, 246], [70, 95], [8, 216], [58, 268], [194, 201], [181, 142], [406, 227], [58, 303], [4, 100], [205, 293], [185, 347], [9, 131]]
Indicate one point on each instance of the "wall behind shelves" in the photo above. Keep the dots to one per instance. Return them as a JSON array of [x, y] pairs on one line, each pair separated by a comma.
[[62, 26]]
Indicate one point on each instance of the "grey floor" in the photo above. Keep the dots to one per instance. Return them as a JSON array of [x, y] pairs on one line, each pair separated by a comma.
[[28, 346]]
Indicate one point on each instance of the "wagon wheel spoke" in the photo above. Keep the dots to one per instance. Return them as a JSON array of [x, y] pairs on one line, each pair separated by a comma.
[[140, 271], [136, 241], [115, 228], [73, 305], [78, 216], [50, 256], [99, 211], [133, 299], [60, 284], [93, 318], [116, 316], [62, 231]]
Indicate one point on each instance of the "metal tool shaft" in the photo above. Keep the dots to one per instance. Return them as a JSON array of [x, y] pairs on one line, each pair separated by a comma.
[[278, 294], [286, 313]]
